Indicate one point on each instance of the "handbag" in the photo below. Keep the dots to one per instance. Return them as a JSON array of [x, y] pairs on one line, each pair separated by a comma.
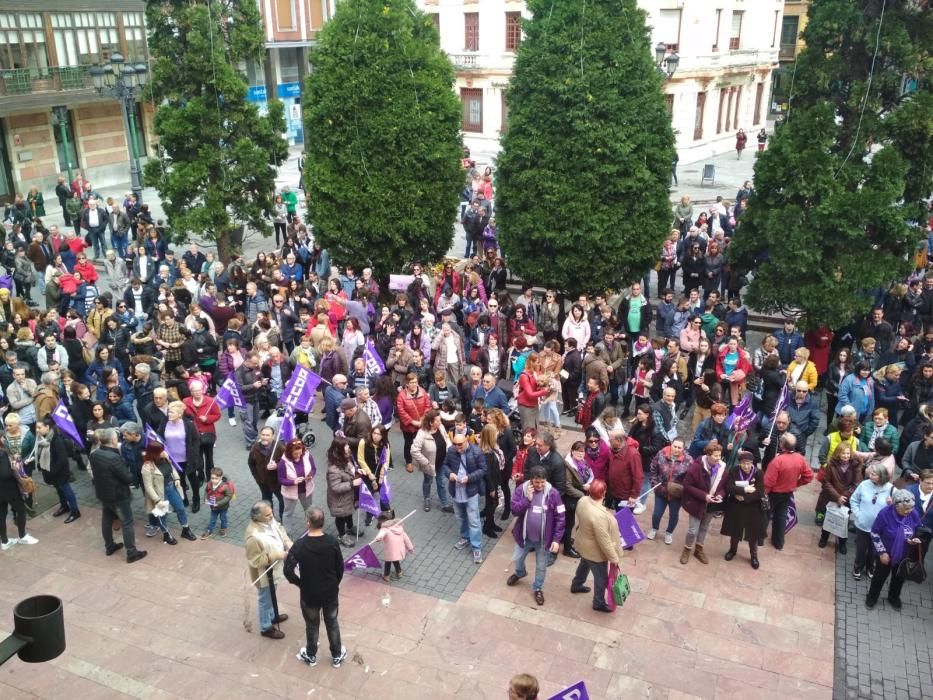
[[26, 485], [620, 589], [911, 569], [674, 489]]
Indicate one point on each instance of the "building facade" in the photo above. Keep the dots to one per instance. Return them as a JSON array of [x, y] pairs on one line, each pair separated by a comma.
[[792, 26], [727, 48], [51, 118]]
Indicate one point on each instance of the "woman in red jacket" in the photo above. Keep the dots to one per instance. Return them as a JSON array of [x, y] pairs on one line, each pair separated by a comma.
[[732, 366], [205, 412], [412, 403], [530, 389]]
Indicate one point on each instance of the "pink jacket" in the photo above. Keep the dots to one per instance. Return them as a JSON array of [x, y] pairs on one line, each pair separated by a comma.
[[288, 471], [394, 541]]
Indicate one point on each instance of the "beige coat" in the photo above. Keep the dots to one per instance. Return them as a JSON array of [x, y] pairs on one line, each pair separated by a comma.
[[259, 552], [424, 451], [596, 534], [154, 485]]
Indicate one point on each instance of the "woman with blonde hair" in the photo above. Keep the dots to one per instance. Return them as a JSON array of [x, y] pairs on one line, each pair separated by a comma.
[[495, 459], [768, 347], [802, 369]]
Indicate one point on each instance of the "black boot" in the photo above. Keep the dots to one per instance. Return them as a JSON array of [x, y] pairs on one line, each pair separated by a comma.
[[61, 511], [824, 538], [74, 515], [187, 534], [168, 539], [195, 502]]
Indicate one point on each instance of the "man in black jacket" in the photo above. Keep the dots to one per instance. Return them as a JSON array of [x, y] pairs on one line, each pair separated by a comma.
[[315, 565], [112, 482]]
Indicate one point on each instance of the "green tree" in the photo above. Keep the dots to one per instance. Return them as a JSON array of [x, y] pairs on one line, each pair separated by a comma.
[[582, 199], [218, 154], [838, 192], [382, 136]]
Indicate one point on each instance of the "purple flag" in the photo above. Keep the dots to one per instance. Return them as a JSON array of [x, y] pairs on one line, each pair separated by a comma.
[[363, 558], [151, 435], [575, 692], [791, 515], [385, 491], [628, 527], [742, 416], [287, 426], [299, 392], [229, 394], [63, 420], [374, 364], [368, 501]]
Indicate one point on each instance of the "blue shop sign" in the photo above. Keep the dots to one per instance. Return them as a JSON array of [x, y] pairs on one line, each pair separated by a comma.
[[256, 93], [289, 90]]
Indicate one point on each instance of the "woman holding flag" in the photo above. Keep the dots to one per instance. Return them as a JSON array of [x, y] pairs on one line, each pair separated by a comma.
[[372, 458], [296, 472]]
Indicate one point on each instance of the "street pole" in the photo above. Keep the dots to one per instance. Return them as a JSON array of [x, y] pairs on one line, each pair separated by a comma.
[[61, 113], [129, 126], [134, 142]]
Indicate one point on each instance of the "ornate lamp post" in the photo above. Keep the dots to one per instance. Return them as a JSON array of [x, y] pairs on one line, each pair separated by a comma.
[[665, 62]]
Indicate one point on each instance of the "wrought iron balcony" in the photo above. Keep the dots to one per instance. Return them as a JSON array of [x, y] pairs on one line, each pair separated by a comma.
[[28, 81]]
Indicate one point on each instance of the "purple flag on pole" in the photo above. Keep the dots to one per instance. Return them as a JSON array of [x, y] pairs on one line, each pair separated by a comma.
[[385, 491], [575, 692], [299, 392], [742, 416], [229, 394], [151, 435], [791, 515], [368, 502], [374, 363], [287, 426], [63, 420], [363, 558], [628, 527]]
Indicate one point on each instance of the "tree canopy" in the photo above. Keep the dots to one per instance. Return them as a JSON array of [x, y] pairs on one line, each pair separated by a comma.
[[218, 155], [839, 191], [582, 199], [382, 125]]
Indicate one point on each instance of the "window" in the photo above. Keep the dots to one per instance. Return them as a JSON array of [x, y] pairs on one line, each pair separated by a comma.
[[472, 100], [285, 15], [668, 29], [504, 106], [738, 102], [718, 28], [735, 37], [722, 103], [471, 31], [729, 109], [85, 38], [789, 28], [513, 30], [22, 42], [134, 31], [698, 119], [669, 103], [759, 93]]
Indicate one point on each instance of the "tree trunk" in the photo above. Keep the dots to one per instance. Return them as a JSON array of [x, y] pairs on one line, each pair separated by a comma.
[[229, 243]]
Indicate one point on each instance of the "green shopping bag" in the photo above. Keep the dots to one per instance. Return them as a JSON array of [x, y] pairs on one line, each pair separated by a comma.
[[620, 589]]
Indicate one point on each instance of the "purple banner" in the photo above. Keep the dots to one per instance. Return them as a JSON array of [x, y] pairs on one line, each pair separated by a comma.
[[385, 491], [299, 392], [575, 692], [151, 435], [66, 423], [363, 558], [287, 426], [229, 394], [374, 364], [742, 416], [628, 527], [791, 515], [368, 502]]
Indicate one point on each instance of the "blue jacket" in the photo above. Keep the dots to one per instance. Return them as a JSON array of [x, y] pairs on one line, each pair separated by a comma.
[[291, 272], [493, 399], [664, 320], [475, 468], [851, 394], [805, 418], [788, 345], [926, 519], [332, 399], [864, 511]]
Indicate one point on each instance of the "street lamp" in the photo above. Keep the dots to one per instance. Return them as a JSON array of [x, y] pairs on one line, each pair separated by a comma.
[[665, 62], [124, 82]]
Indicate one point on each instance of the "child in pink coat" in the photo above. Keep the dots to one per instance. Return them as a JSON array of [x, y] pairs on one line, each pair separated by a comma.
[[395, 543]]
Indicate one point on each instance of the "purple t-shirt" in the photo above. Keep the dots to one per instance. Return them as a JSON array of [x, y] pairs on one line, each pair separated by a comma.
[[175, 440], [535, 516]]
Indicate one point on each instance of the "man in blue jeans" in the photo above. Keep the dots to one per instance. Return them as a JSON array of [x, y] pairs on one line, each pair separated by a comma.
[[465, 471], [540, 516]]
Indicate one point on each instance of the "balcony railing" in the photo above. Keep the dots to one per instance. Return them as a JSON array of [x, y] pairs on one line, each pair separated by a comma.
[[26, 81], [465, 61]]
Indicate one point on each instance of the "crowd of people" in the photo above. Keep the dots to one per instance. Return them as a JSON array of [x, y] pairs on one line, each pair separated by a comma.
[[477, 378]]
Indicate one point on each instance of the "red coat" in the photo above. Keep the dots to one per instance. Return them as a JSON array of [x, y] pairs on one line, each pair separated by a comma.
[[819, 342], [625, 473], [87, 270], [697, 484], [411, 409], [528, 391], [743, 364]]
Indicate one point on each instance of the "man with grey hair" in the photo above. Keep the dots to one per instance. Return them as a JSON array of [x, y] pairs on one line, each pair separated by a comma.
[[267, 545], [155, 415], [315, 565], [368, 406], [20, 395], [144, 384], [131, 449], [112, 486], [786, 473], [46, 398]]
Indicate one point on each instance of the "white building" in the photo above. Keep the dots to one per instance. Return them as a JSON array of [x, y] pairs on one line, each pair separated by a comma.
[[727, 50]]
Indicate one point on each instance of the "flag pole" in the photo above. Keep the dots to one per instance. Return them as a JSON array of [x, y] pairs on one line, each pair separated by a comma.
[[397, 522]]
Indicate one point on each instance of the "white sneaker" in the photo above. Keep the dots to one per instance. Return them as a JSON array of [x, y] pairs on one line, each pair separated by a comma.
[[651, 534], [8, 544], [639, 508], [232, 421], [28, 539], [668, 538]]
